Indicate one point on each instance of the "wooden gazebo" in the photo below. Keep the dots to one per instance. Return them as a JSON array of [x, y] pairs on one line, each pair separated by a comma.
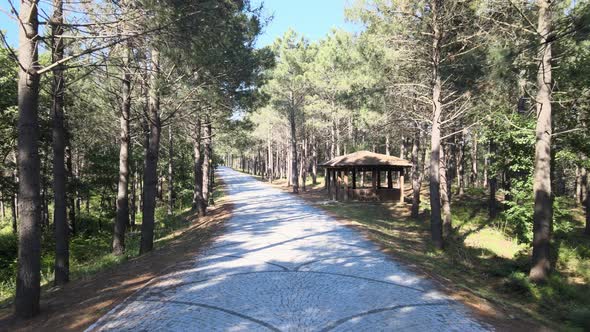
[[343, 172]]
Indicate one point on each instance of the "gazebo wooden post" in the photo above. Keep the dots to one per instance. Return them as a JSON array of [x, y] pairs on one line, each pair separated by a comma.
[[374, 178], [401, 186], [327, 181], [378, 179], [333, 189], [346, 184], [338, 183], [389, 180], [354, 178]]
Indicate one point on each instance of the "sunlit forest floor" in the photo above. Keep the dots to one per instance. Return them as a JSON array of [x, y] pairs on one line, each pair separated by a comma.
[[483, 263], [100, 279]]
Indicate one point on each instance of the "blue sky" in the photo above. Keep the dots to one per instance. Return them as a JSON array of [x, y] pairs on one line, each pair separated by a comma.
[[7, 25], [312, 18]]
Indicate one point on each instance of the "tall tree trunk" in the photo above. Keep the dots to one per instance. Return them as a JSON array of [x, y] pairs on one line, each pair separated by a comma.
[[584, 172], [435, 138], [171, 195], [486, 164], [28, 277], [150, 174], [62, 254], [444, 193], [72, 194], [402, 147], [474, 178], [122, 205], [133, 200], [44, 202], [13, 206], [198, 200], [416, 183], [289, 167], [460, 164], [581, 182], [492, 182], [543, 213], [578, 180], [333, 142], [293, 140], [338, 138], [14, 202], [269, 164], [14, 196], [387, 144], [2, 207], [207, 162], [161, 180], [304, 164], [314, 161]]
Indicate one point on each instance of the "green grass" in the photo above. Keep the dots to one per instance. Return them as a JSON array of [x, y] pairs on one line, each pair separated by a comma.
[[90, 249]]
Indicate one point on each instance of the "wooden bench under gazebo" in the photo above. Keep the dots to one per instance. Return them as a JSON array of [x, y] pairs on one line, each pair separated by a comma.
[[343, 173]]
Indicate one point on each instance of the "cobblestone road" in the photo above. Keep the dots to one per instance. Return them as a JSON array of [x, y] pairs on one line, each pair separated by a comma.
[[283, 265]]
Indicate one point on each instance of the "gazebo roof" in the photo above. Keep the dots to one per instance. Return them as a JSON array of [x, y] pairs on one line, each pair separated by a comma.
[[366, 158]]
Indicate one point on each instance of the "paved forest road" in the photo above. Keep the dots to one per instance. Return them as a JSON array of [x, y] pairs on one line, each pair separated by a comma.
[[283, 265]]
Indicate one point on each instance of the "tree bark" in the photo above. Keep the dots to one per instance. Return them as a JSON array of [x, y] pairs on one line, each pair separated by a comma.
[[333, 142], [474, 177], [402, 147], [543, 213], [581, 182], [578, 190], [72, 194], [584, 190], [269, 164], [198, 200], [62, 266], [294, 173], [435, 138], [28, 277], [416, 183], [13, 206], [289, 166], [133, 200], [2, 207], [314, 162], [304, 164], [44, 201], [122, 205], [171, 194], [207, 161], [461, 164], [444, 194], [150, 174], [492, 183]]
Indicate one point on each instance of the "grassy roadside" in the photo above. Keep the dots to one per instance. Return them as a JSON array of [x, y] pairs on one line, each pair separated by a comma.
[[482, 265], [105, 280]]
